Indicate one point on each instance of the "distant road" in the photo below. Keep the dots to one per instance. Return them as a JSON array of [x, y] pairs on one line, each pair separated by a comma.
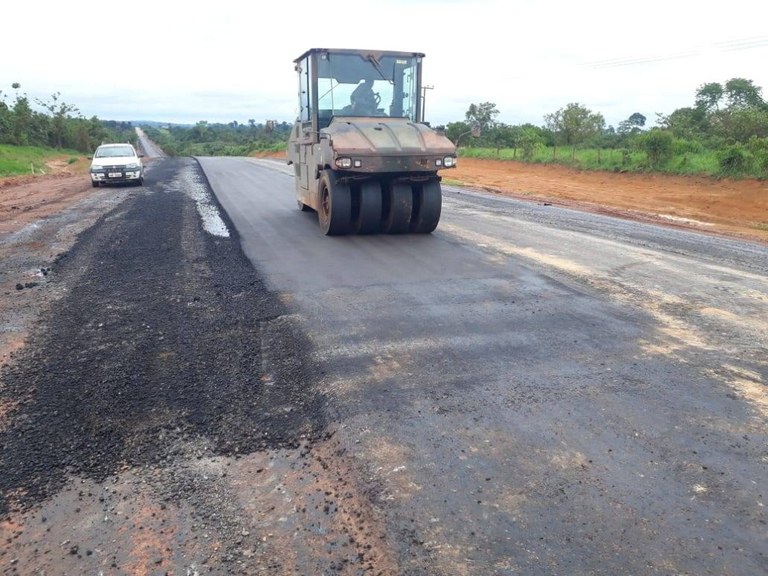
[[532, 389], [149, 147]]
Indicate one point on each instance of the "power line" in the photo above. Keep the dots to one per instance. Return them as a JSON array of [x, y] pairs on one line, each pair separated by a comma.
[[725, 46], [743, 44], [631, 61]]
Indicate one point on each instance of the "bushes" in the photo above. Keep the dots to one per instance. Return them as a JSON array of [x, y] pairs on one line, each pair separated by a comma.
[[529, 140], [734, 160], [681, 147], [658, 146], [748, 159], [758, 147]]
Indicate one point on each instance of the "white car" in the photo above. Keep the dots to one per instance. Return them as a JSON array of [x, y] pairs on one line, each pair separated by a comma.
[[116, 163]]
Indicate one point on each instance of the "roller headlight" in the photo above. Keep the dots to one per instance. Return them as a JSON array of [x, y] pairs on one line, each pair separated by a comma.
[[344, 162]]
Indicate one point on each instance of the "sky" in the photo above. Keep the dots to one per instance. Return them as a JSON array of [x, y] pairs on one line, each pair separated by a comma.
[[233, 60]]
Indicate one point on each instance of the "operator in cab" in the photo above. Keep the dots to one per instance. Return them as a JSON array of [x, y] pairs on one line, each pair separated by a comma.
[[364, 101]]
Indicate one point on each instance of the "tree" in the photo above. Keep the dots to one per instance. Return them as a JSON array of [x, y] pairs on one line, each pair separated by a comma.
[[482, 115], [632, 125], [637, 119], [200, 131], [21, 121], [5, 120], [60, 113], [742, 93], [529, 137], [502, 136], [688, 123], [709, 96], [453, 130], [743, 116], [575, 124], [743, 123]]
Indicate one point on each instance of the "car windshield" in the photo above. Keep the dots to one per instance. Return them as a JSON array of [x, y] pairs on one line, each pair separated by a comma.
[[114, 152]]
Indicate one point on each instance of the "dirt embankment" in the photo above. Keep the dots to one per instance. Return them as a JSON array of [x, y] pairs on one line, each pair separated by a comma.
[[26, 199], [736, 207]]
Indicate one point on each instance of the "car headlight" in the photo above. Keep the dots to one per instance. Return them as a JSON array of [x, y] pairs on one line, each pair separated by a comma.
[[133, 166], [97, 169], [449, 161]]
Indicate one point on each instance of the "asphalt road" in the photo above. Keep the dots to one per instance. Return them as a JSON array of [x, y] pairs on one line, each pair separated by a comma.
[[147, 146], [529, 389]]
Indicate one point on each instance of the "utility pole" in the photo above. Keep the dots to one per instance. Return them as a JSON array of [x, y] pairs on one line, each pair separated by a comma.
[[424, 101]]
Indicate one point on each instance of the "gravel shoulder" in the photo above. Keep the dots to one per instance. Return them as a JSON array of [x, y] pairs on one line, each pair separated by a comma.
[[163, 418]]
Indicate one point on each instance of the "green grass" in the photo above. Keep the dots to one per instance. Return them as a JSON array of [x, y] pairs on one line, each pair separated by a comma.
[[16, 160], [704, 163], [274, 147]]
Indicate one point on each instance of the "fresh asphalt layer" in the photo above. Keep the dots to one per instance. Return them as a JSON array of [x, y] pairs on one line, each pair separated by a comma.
[[533, 389]]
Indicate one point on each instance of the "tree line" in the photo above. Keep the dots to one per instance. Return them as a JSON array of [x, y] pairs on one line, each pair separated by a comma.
[[53, 123], [220, 139], [726, 121], [730, 120]]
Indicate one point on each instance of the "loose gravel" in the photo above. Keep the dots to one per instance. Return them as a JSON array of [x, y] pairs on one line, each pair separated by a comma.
[[166, 337]]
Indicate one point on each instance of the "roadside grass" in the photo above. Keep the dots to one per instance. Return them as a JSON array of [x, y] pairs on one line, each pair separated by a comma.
[[274, 147], [218, 148], [18, 160], [703, 163]]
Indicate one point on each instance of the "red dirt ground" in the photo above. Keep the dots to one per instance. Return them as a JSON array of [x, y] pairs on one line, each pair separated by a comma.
[[734, 207]]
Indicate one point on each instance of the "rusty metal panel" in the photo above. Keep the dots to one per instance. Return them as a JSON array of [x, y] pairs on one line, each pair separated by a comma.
[[386, 136]]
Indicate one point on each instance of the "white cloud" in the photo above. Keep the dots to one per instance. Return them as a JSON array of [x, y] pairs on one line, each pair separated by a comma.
[[234, 61]]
